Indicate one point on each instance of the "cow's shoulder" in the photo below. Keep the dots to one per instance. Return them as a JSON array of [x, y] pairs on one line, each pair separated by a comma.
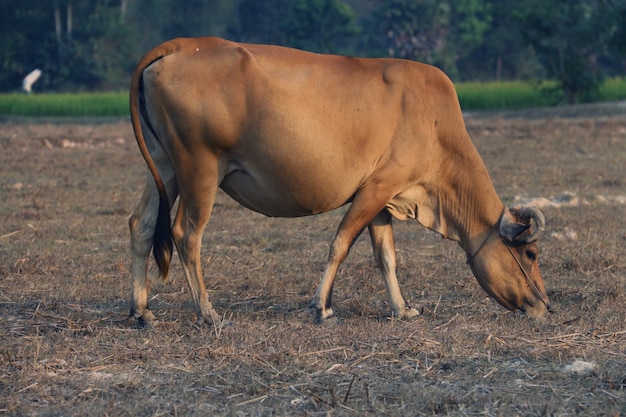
[[416, 75]]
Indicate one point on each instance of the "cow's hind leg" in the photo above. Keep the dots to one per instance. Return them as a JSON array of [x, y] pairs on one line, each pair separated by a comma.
[[142, 227], [381, 233], [197, 195]]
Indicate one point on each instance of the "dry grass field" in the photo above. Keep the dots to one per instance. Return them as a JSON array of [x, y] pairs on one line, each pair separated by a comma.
[[67, 348]]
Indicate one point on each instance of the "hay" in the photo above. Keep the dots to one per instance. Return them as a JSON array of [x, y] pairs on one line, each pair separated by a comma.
[[67, 347]]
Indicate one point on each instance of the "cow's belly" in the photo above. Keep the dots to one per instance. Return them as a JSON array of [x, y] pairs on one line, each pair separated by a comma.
[[277, 198]]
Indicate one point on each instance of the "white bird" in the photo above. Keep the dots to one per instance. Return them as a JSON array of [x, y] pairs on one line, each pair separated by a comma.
[[30, 79]]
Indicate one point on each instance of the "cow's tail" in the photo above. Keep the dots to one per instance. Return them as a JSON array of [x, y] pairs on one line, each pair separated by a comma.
[[162, 242]]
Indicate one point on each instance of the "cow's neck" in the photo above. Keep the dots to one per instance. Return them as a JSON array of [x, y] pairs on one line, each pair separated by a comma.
[[466, 205]]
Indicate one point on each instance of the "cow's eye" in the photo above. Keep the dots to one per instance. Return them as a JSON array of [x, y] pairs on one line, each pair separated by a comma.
[[531, 254]]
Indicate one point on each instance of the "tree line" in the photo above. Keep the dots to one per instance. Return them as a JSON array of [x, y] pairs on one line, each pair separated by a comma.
[[94, 44]]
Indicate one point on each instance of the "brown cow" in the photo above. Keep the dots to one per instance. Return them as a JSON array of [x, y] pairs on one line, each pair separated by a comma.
[[290, 133]]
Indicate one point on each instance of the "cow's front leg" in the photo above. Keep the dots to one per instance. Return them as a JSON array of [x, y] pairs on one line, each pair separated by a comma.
[[366, 204], [381, 233], [323, 295], [339, 249]]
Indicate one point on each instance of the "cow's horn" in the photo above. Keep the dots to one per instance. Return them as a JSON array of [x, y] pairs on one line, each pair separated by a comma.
[[528, 228]]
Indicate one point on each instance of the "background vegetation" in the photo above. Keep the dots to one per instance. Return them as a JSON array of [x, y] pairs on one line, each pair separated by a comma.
[[92, 45]]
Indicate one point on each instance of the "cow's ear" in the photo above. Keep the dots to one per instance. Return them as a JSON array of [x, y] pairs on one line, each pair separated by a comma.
[[522, 225], [510, 228]]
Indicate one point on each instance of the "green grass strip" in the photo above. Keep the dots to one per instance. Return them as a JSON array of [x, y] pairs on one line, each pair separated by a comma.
[[64, 105], [613, 89], [506, 95]]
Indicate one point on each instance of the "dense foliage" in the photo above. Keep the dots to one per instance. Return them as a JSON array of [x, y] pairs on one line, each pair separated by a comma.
[[93, 44]]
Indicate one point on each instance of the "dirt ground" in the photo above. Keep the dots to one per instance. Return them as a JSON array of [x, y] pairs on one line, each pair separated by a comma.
[[67, 348]]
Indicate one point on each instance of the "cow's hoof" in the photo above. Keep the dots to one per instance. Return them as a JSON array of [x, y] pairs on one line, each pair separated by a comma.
[[215, 322], [329, 321], [323, 315], [409, 313], [145, 320]]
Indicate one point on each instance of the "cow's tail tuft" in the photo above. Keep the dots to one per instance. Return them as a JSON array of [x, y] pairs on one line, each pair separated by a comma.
[[162, 246]]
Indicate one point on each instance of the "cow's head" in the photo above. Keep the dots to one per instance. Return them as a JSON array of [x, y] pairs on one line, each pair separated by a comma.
[[506, 262]]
